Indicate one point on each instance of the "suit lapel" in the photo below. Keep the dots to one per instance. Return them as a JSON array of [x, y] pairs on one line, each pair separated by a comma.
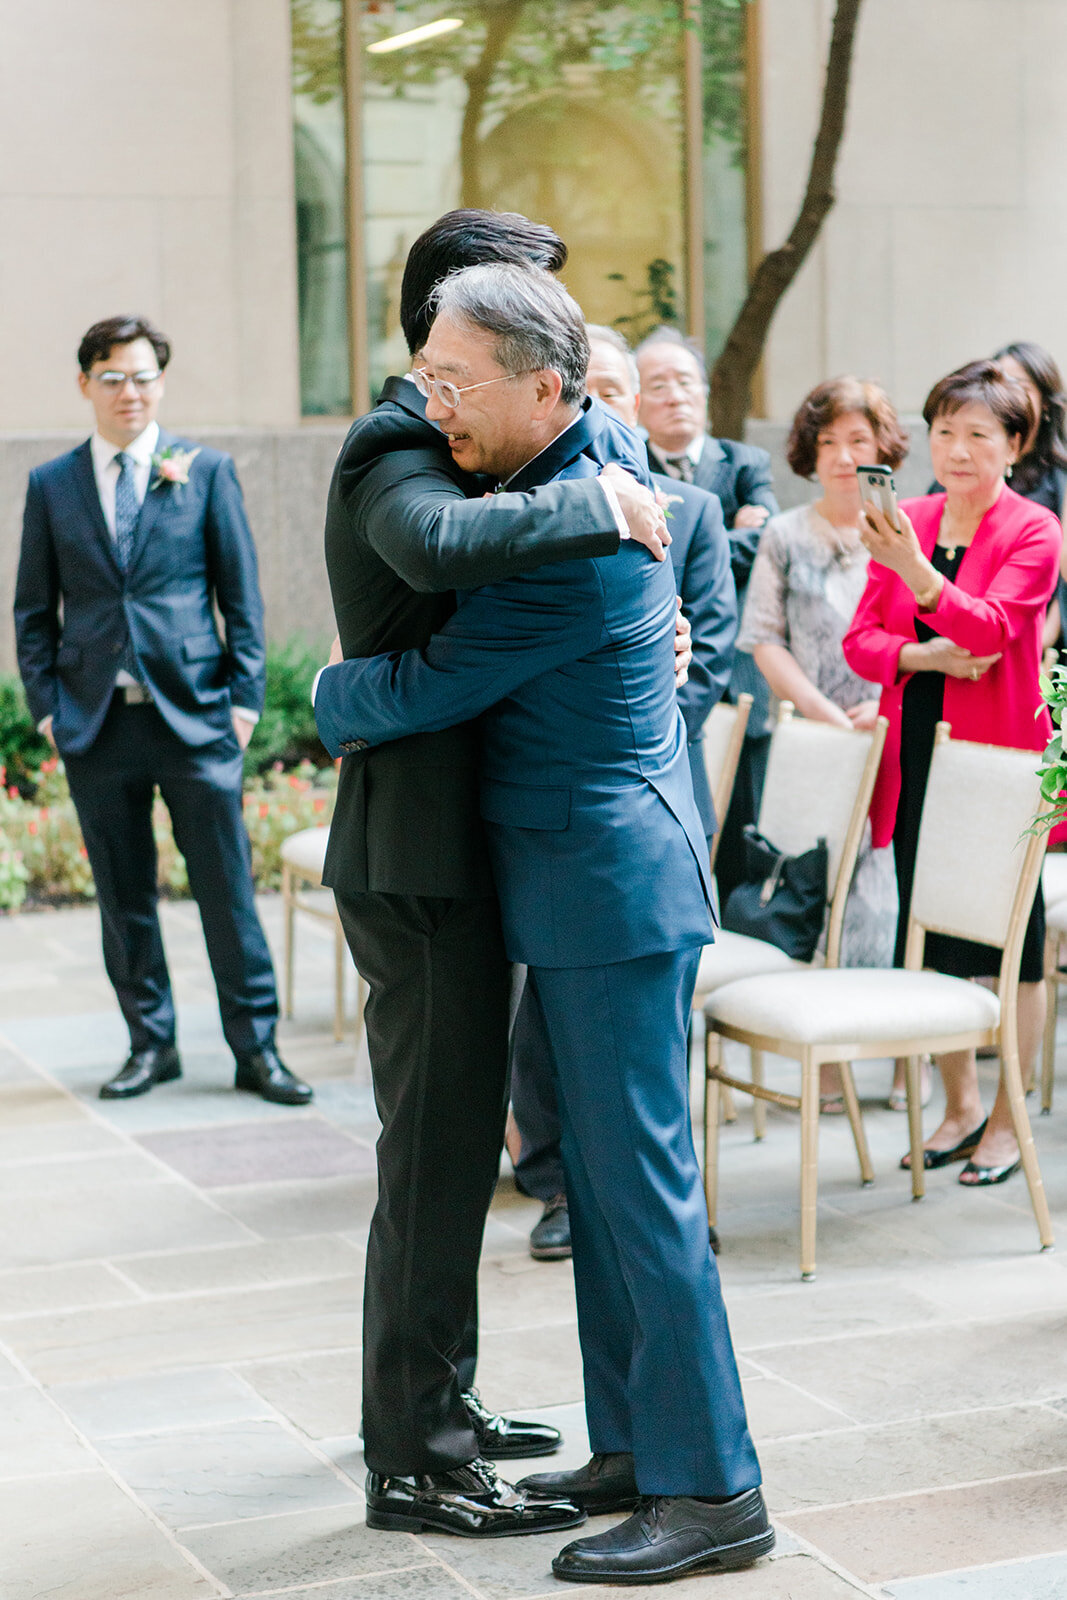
[[154, 504], [85, 478], [565, 448], [709, 467]]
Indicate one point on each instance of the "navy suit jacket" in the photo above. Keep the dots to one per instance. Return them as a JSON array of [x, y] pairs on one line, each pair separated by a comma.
[[700, 555], [192, 550], [596, 843]]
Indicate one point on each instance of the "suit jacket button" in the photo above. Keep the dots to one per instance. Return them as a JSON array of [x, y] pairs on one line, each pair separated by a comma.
[[360, 744]]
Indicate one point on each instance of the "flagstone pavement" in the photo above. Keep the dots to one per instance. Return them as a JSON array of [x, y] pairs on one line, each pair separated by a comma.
[[180, 1283]]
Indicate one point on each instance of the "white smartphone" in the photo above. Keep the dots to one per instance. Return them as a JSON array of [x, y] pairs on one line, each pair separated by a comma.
[[876, 483]]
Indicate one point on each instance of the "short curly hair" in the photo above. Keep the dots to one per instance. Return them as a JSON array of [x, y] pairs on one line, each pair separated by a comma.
[[838, 398]]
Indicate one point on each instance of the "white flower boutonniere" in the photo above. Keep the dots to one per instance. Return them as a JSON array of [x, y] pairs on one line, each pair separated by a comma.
[[172, 467]]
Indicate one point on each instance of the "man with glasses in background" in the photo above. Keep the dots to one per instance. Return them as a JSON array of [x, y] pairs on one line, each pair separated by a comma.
[[129, 545]]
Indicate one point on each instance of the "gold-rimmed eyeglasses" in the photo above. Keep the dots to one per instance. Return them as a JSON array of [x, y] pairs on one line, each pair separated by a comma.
[[449, 393]]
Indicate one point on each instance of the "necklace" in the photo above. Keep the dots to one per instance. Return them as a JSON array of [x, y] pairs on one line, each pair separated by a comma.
[[845, 550]]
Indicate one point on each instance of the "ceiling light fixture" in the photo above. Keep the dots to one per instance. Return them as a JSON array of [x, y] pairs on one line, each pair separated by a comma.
[[429, 30]]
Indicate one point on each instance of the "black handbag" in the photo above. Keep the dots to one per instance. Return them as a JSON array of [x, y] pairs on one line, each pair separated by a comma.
[[782, 898]]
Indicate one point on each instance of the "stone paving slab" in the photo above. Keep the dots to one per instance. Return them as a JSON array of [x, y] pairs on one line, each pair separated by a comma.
[[321, 1394], [260, 1262], [258, 1152], [1043, 1579], [320, 1546], [36, 1289], [194, 1397]]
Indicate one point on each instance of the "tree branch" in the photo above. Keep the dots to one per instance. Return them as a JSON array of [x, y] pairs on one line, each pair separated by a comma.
[[500, 23]]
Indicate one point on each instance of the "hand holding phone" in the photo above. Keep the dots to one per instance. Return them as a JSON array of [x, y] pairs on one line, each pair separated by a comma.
[[876, 484]]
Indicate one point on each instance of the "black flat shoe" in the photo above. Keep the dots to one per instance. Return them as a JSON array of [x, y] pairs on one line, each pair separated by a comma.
[[500, 1438], [142, 1071], [470, 1501], [670, 1536], [265, 1073], [550, 1239], [944, 1158], [973, 1177], [606, 1483]]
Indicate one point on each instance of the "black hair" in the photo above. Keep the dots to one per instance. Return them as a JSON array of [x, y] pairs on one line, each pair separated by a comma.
[[468, 238], [102, 337], [1049, 448]]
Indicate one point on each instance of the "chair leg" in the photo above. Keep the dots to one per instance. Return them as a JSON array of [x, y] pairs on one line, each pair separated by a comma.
[[759, 1107], [1013, 1082], [340, 951], [913, 1079], [1048, 1044], [855, 1118], [729, 1104], [711, 1126], [288, 921], [809, 1163]]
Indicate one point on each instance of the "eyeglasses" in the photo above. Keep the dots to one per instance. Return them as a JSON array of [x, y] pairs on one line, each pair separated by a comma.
[[115, 382], [449, 393]]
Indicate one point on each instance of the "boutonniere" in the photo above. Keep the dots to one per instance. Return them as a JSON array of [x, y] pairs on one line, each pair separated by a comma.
[[666, 501], [172, 467]]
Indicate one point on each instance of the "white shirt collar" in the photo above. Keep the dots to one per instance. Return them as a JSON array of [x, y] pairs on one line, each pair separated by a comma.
[[694, 450], [141, 449]]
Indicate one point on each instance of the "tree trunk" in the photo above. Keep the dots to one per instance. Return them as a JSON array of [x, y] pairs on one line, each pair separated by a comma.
[[500, 24], [732, 376]]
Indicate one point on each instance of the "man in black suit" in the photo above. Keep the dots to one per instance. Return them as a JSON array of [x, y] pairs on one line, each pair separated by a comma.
[[674, 412], [129, 544], [408, 863], [700, 553]]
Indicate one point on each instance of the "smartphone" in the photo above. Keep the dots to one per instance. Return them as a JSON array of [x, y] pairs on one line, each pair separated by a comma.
[[876, 483]]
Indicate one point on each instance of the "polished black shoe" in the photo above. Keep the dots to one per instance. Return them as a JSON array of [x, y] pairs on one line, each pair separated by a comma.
[[550, 1239], [142, 1071], [500, 1438], [471, 1501], [266, 1074], [606, 1483], [671, 1536]]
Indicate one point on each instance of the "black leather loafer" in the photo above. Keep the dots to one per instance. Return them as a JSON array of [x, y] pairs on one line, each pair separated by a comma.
[[606, 1483], [670, 1536], [142, 1071], [471, 1501], [550, 1239], [500, 1438], [264, 1073]]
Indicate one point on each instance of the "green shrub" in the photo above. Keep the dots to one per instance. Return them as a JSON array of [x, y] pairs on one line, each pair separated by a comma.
[[22, 748], [286, 732]]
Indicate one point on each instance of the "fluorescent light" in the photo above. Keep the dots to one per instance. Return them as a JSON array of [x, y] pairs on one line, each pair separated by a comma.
[[429, 30]]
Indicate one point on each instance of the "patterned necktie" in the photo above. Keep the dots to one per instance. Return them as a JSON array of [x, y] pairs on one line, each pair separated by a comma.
[[680, 467], [127, 511]]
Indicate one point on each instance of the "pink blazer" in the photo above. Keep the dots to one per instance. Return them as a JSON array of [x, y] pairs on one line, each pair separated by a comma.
[[998, 602]]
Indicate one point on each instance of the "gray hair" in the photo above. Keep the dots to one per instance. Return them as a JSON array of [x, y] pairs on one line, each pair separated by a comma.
[[533, 319], [599, 333], [665, 334]]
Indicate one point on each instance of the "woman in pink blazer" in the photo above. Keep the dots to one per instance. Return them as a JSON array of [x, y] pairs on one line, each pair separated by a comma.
[[950, 624]]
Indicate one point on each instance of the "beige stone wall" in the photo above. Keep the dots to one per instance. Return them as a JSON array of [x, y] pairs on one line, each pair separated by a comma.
[[146, 164], [949, 237]]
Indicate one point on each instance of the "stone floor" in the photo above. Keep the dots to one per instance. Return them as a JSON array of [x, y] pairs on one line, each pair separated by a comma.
[[179, 1327]]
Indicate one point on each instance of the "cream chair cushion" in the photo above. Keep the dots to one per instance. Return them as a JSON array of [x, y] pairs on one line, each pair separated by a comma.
[[735, 955], [1054, 878], [853, 1005], [306, 851]]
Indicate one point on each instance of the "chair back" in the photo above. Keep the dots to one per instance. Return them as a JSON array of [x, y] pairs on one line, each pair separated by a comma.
[[977, 865], [818, 786], [724, 734]]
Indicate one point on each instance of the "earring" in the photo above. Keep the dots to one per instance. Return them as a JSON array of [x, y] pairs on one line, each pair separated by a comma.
[[1008, 473]]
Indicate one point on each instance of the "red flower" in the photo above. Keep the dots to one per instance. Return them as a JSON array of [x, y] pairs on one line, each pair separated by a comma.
[[319, 804], [31, 827], [264, 809]]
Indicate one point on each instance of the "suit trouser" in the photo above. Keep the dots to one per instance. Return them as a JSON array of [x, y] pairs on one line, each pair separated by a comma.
[[437, 1024], [113, 786], [660, 1375]]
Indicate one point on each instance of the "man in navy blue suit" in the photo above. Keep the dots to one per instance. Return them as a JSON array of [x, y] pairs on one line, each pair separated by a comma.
[[129, 544], [598, 854], [700, 555]]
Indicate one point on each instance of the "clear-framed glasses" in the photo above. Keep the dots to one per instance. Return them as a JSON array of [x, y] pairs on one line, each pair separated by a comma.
[[115, 382], [449, 393]]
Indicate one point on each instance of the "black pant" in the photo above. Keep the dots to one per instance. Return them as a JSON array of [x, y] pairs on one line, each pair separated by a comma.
[[113, 786], [437, 1025]]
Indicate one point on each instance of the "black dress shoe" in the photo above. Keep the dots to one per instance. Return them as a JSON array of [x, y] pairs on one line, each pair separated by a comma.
[[143, 1069], [500, 1438], [944, 1158], [606, 1483], [670, 1536], [550, 1239], [265, 1073], [471, 1501]]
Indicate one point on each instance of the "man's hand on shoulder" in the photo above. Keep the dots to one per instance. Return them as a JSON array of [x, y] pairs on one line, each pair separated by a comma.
[[640, 509]]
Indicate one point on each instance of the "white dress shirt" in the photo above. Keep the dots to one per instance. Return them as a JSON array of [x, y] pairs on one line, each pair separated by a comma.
[[694, 450]]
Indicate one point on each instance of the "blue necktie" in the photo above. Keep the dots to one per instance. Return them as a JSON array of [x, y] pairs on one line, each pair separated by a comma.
[[127, 511]]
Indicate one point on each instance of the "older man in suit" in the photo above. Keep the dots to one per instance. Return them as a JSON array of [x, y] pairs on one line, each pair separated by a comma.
[[597, 852], [130, 542], [674, 411], [700, 555]]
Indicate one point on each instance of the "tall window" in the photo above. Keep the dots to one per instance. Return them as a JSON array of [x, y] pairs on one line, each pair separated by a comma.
[[321, 210]]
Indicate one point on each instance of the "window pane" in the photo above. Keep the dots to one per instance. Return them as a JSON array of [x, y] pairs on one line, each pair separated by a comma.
[[322, 247], [567, 110]]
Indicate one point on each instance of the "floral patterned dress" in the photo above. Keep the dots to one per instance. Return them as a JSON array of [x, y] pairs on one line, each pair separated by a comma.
[[806, 583]]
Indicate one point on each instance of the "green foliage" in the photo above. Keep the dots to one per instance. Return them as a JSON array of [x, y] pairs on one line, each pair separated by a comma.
[[660, 297], [723, 49], [286, 732], [317, 49], [1053, 768], [22, 748]]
